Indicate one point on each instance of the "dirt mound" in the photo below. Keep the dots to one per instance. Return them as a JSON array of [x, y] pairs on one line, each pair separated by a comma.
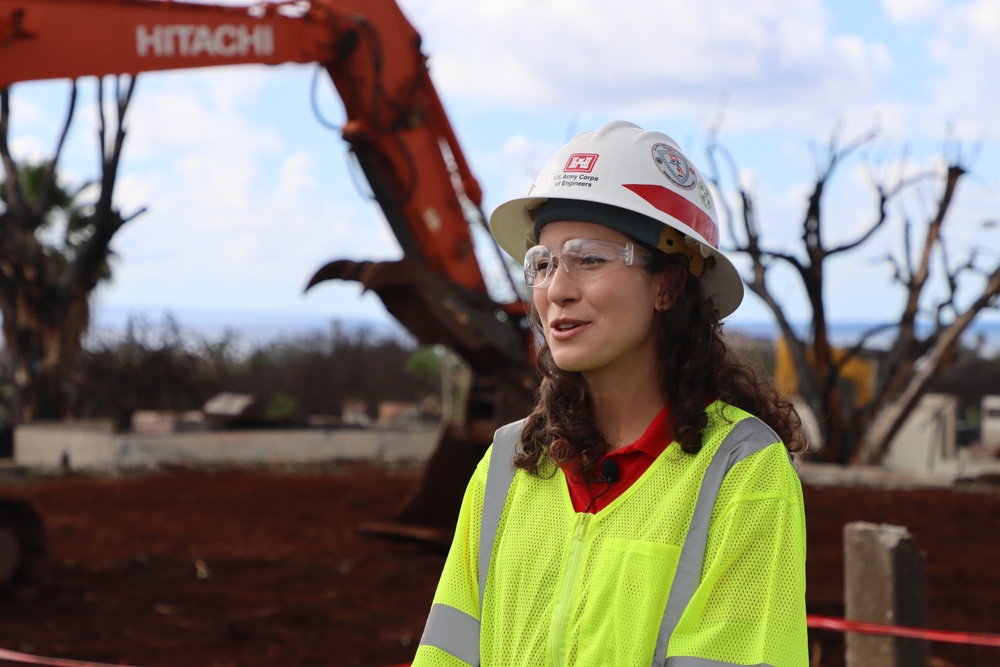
[[231, 568]]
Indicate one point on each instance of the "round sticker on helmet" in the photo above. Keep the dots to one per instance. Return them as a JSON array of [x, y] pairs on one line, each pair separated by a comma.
[[706, 196], [674, 165]]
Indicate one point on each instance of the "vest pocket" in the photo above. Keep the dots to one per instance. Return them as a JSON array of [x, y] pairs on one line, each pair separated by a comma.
[[624, 602]]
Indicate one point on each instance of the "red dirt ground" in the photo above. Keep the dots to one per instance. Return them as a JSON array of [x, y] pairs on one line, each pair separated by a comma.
[[227, 568]]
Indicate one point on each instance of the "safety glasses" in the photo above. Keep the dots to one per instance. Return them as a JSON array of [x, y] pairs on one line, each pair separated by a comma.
[[584, 259]]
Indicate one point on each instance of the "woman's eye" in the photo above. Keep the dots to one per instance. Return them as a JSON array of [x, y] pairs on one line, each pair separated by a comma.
[[591, 260]]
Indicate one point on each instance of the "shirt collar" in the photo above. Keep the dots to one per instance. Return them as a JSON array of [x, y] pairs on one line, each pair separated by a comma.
[[657, 436]]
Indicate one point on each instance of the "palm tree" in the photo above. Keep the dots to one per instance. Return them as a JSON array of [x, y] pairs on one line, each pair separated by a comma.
[[54, 250]]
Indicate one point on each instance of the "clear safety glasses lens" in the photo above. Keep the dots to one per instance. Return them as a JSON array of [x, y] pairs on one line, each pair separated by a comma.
[[584, 259]]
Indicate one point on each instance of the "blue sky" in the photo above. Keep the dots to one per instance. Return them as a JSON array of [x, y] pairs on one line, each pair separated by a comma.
[[248, 193]]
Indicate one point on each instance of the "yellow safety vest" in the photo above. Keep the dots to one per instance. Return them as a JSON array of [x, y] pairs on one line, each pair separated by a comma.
[[700, 563]]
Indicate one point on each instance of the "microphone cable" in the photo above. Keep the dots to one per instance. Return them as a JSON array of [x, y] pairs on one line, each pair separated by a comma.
[[610, 473]]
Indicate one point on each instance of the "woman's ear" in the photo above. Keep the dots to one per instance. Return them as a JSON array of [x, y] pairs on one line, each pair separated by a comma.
[[670, 283]]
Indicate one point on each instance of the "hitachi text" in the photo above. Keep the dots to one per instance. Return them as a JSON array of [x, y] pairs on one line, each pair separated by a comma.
[[190, 41]]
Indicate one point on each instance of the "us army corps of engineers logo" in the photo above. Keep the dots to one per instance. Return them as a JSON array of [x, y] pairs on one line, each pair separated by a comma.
[[674, 165]]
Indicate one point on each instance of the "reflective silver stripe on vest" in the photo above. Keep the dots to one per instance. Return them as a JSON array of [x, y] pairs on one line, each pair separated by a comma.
[[454, 632], [701, 662], [498, 481], [745, 439]]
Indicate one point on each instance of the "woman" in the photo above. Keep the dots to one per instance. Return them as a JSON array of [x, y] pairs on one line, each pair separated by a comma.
[[646, 512]]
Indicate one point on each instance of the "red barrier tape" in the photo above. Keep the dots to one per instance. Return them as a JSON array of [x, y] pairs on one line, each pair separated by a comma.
[[844, 625], [818, 622], [14, 656]]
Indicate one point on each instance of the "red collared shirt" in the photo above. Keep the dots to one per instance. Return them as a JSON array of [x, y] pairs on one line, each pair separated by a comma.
[[633, 460]]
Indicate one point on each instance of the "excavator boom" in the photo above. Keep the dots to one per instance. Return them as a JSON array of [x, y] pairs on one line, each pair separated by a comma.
[[396, 124], [396, 127]]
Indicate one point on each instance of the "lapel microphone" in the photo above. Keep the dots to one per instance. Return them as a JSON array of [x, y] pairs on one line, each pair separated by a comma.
[[610, 473]]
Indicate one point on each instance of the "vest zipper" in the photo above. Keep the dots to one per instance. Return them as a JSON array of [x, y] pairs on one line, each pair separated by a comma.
[[558, 653]]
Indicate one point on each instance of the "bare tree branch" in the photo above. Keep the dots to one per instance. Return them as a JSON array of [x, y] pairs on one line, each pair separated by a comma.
[[856, 349], [900, 360], [785, 257], [836, 155], [897, 270], [81, 275], [44, 315], [812, 224], [109, 166], [821, 369], [760, 257], [955, 172], [44, 202], [908, 251], [712, 149], [15, 199], [884, 199], [796, 346], [889, 420]]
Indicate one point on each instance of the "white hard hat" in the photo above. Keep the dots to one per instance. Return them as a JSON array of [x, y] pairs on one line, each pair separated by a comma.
[[637, 182]]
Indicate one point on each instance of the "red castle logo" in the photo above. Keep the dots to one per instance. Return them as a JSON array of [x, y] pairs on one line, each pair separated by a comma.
[[581, 162]]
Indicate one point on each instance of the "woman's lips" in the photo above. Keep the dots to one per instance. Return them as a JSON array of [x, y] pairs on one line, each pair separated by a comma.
[[564, 329]]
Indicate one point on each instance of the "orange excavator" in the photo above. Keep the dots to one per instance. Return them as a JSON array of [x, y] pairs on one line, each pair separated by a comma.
[[398, 131]]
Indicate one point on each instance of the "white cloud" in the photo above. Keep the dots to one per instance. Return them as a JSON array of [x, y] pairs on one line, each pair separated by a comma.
[[29, 149], [245, 201], [904, 11], [297, 177], [517, 163], [966, 91], [133, 193], [25, 111], [192, 113], [774, 59], [225, 232]]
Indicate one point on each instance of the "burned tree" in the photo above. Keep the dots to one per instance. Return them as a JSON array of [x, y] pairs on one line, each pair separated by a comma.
[[854, 431], [54, 249]]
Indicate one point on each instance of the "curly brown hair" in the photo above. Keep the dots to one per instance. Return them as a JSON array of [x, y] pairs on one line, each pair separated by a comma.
[[695, 368]]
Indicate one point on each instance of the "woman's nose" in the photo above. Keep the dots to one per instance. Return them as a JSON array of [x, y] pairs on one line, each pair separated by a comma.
[[561, 284]]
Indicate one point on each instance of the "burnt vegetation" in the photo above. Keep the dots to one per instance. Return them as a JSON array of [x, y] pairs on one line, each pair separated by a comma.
[[55, 246], [160, 366], [943, 289]]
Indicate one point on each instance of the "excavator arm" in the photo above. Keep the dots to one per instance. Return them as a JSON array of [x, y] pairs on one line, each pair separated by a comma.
[[396, 124], [400, 134]]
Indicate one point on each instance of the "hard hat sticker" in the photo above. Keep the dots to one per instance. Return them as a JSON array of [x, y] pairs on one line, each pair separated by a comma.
[[581, 162], [706, 196], [674, 165]]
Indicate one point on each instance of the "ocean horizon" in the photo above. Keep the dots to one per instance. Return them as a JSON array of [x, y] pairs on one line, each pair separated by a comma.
[[259, 328]]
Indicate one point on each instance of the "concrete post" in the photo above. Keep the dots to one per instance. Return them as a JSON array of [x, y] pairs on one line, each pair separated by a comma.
[[884, 582]]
